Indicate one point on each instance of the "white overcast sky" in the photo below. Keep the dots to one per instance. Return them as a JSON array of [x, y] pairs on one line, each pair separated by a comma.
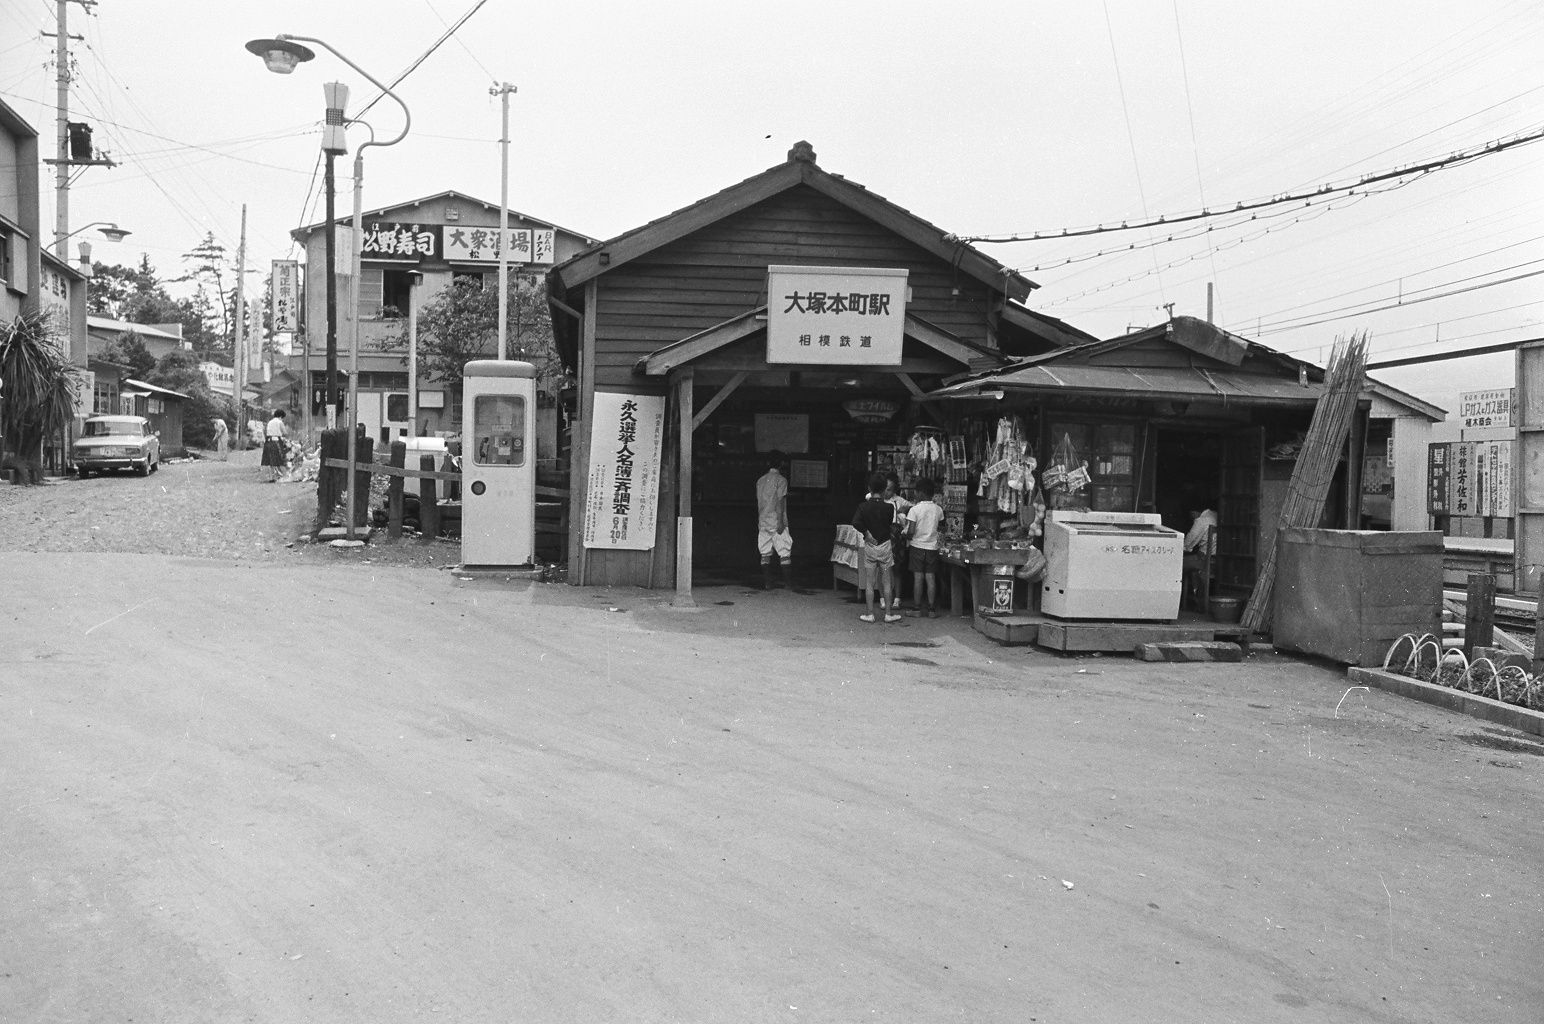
[[982, 117]]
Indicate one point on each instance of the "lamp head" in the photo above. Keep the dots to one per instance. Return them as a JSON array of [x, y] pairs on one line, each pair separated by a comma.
[[280, 54], [114, 233]]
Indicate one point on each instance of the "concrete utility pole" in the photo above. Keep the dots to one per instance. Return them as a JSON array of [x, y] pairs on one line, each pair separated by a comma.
[[238, 340], [64, 155], [502, 90]]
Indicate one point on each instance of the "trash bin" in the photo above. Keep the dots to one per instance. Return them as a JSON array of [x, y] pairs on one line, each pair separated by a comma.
[[1349, 594]]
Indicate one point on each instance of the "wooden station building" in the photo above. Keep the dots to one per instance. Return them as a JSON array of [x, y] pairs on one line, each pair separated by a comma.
[[795, 311]]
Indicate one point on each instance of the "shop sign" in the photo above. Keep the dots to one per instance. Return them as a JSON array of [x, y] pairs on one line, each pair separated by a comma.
[[1493, 408], [1437, 482], [402, 243], [1498, 479], [284, 294], [871, 410], [621, 501], [1465, 499], [1002, 590], [481, 245], [835, 316], [85, 392]]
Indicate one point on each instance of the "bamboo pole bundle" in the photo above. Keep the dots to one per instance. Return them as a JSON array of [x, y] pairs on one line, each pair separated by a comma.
[[1314, 470]]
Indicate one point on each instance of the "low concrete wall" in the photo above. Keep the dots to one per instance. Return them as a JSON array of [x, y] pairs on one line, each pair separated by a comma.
[[1454, 700]]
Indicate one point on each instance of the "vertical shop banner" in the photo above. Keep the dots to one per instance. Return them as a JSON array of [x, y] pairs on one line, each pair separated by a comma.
[[1497, 474], [841, 316], [1463, 500], [284, 295], [1438, 458], [622, 499]]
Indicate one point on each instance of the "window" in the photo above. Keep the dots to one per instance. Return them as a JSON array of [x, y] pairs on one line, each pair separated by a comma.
[[7, 240], [384, 293], [498, 430], [472, 277]]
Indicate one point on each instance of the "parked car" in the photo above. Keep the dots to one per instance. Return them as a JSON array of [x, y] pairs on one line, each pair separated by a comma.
[[117, 442]]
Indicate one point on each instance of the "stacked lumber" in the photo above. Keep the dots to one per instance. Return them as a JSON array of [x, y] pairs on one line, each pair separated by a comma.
[[1314, 470]]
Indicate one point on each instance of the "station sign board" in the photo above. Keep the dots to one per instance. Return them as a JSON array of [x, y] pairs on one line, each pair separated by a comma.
[[1493, 408], [835, 316]]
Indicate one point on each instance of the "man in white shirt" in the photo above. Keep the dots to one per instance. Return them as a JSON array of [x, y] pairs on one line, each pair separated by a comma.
[[1200, 545], [923, 522], [772, 536]]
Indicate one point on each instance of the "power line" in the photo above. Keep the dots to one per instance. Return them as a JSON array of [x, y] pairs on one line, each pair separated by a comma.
[[1320, 192], [1291, 326]]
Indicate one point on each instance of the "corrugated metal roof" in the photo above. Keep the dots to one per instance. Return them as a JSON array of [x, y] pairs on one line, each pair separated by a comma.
[[1184, 383]]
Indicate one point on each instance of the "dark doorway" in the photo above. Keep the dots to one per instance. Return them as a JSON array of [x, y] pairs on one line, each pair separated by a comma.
[[1188, 470]]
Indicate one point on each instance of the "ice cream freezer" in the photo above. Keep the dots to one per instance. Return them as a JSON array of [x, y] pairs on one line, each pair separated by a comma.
[[1111, 565]]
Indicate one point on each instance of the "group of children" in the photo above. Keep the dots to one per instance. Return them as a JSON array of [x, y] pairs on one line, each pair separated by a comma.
[[888, 522]]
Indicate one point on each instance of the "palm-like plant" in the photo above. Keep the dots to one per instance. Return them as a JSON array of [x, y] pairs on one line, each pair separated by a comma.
[[39, 387]]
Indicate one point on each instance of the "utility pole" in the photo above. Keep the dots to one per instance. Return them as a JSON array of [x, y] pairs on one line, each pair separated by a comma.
[[238, 351], [68, 152], [502, 90], [333, 143]]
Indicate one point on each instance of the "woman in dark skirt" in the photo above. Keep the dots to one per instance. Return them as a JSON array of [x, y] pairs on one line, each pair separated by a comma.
[[273, 445]]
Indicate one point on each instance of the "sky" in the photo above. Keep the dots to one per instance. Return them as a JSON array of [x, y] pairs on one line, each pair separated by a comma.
[[989, 119]]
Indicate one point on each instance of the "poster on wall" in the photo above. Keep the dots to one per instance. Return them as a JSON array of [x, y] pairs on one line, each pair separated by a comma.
[[1498, 478], [786, 432], [622, 499], [835, 316], [1463, 472], [1437, 483]]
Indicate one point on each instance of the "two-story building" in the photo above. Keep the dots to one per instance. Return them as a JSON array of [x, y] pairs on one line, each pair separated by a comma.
[[31, 277], [412, 252]]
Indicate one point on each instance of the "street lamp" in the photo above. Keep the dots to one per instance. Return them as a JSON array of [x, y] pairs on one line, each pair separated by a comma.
[[282, 54], [113, 232]]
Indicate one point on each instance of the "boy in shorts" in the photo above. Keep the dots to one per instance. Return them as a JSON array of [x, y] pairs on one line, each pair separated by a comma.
[[924, 522], [873, 521]]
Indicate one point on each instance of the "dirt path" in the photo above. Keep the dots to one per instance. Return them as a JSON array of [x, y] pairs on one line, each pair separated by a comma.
[[284, 791]]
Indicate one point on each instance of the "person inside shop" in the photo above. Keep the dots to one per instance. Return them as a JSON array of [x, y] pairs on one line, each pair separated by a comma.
[[874, 520], [1200, 546], [923, 522], [772, 535]]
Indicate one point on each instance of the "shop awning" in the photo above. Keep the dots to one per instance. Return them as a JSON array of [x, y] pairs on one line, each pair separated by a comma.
[[1184, 384]]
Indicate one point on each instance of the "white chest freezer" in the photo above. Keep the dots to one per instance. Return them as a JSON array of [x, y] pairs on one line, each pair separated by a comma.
[[1111, 565]]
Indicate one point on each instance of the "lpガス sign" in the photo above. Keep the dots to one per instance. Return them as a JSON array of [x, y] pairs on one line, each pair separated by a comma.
[[1487, 408], [835, 316]]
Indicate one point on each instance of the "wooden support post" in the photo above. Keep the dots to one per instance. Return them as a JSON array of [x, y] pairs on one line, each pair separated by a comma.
[[1480, 613], [428, 502], [329, 482], [684, 420], [394, 492], [364, 454]]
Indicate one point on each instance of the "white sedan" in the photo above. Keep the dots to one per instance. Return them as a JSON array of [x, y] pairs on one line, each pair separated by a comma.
[[117, 442]]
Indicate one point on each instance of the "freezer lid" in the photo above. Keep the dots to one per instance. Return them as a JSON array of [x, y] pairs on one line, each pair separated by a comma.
[[1071, 517]]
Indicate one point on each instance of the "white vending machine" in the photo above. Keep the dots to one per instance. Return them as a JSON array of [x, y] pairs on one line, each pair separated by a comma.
[[498, 464], [1111, 565]]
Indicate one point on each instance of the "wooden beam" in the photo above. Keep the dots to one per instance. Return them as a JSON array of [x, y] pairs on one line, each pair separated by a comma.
[[718, 399], [917, 392], [661, 362], [683, 392], [579, 442]]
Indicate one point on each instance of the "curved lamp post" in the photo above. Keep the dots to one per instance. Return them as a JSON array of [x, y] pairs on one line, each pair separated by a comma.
[[282, 54]]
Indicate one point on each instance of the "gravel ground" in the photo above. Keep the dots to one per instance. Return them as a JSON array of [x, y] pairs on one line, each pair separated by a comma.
[[197, 507]]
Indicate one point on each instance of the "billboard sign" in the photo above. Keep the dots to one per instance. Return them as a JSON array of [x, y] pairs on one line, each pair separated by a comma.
[[835, 316]]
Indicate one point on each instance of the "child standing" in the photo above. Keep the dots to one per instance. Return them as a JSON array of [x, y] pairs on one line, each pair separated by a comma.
[[924, 520]]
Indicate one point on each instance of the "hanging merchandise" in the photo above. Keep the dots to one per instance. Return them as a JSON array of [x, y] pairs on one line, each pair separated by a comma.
[[1066, 478], [926, 456], [959, 465], [1008, 476]]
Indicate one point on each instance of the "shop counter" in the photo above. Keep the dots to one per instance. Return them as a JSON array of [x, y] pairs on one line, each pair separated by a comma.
[[845, 554], [974, 576]]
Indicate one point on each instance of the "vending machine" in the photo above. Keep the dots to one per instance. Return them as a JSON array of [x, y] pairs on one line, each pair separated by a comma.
[[498, 464]]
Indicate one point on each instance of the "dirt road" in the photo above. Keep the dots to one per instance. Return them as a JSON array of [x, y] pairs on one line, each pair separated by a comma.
[[292, 788]]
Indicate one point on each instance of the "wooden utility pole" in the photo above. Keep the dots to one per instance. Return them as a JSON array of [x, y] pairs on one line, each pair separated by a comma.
[[502, 90], [238, 340]]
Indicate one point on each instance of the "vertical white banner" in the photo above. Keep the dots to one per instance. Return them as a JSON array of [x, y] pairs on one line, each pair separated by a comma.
[[284, 295], [622, 499]]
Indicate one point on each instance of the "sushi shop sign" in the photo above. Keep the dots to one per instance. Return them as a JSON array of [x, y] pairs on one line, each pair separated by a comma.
[[835, 316]]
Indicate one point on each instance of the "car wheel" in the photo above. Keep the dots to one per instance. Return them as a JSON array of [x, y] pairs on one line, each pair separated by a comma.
[[83, 471], [156, 464], [143, 469]]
